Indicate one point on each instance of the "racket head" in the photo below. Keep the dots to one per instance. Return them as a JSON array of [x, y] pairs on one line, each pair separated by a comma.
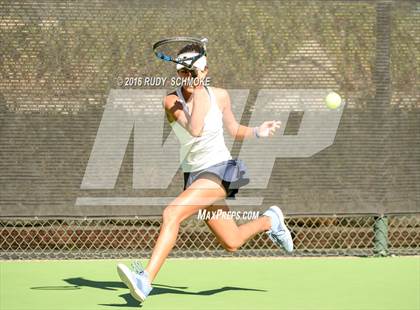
[[168, 49]]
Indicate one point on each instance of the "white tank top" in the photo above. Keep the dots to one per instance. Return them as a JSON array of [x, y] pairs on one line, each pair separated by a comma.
[[198, 153]]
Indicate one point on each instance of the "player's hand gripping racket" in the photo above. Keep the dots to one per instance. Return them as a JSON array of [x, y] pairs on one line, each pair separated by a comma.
[[167, 50]]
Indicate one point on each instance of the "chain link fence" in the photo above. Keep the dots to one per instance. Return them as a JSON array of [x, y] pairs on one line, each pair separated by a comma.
[[33, 238]]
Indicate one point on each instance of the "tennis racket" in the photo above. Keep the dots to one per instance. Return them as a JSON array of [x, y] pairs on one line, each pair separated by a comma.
[[167, 50]]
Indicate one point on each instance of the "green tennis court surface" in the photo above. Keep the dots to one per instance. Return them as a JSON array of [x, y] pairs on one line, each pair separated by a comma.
[[319, 283]]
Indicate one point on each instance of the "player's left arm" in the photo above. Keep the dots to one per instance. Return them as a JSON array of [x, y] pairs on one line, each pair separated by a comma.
[[238, 131]]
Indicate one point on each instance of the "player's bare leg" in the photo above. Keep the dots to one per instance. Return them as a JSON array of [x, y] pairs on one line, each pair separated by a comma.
[[200, 194], [230, 235]]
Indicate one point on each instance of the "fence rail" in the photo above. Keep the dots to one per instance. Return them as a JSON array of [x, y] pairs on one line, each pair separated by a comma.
[[43, 238]]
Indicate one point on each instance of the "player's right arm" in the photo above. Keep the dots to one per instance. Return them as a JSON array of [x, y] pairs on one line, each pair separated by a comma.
[[173, 110], [175, 113]]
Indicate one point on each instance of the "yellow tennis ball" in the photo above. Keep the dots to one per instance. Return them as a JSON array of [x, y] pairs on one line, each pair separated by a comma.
[[333, 100]]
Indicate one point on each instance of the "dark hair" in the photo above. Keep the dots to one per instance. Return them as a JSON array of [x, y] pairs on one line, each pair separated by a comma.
[[193, 47]]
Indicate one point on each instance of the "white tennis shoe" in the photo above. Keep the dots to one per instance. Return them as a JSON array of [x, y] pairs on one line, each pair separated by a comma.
[[137, 281], [279, 233]]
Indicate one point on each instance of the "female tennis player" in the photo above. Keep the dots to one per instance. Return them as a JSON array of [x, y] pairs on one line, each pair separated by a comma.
[[197, 115]]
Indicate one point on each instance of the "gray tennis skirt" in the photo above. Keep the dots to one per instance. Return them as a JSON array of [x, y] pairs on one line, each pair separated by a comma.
[[233, 174]]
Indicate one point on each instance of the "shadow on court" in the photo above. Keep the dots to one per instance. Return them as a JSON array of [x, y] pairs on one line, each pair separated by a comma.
[[78, 283]]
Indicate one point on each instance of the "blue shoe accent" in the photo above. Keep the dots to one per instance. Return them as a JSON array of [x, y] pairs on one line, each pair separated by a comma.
[[279, 233], [137, 281]]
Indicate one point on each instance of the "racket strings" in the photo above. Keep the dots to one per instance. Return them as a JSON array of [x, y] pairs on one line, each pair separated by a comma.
[[168, 49], [171, 49]]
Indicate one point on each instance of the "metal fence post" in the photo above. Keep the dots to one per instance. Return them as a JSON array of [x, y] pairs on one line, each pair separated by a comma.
[[381, 236]]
